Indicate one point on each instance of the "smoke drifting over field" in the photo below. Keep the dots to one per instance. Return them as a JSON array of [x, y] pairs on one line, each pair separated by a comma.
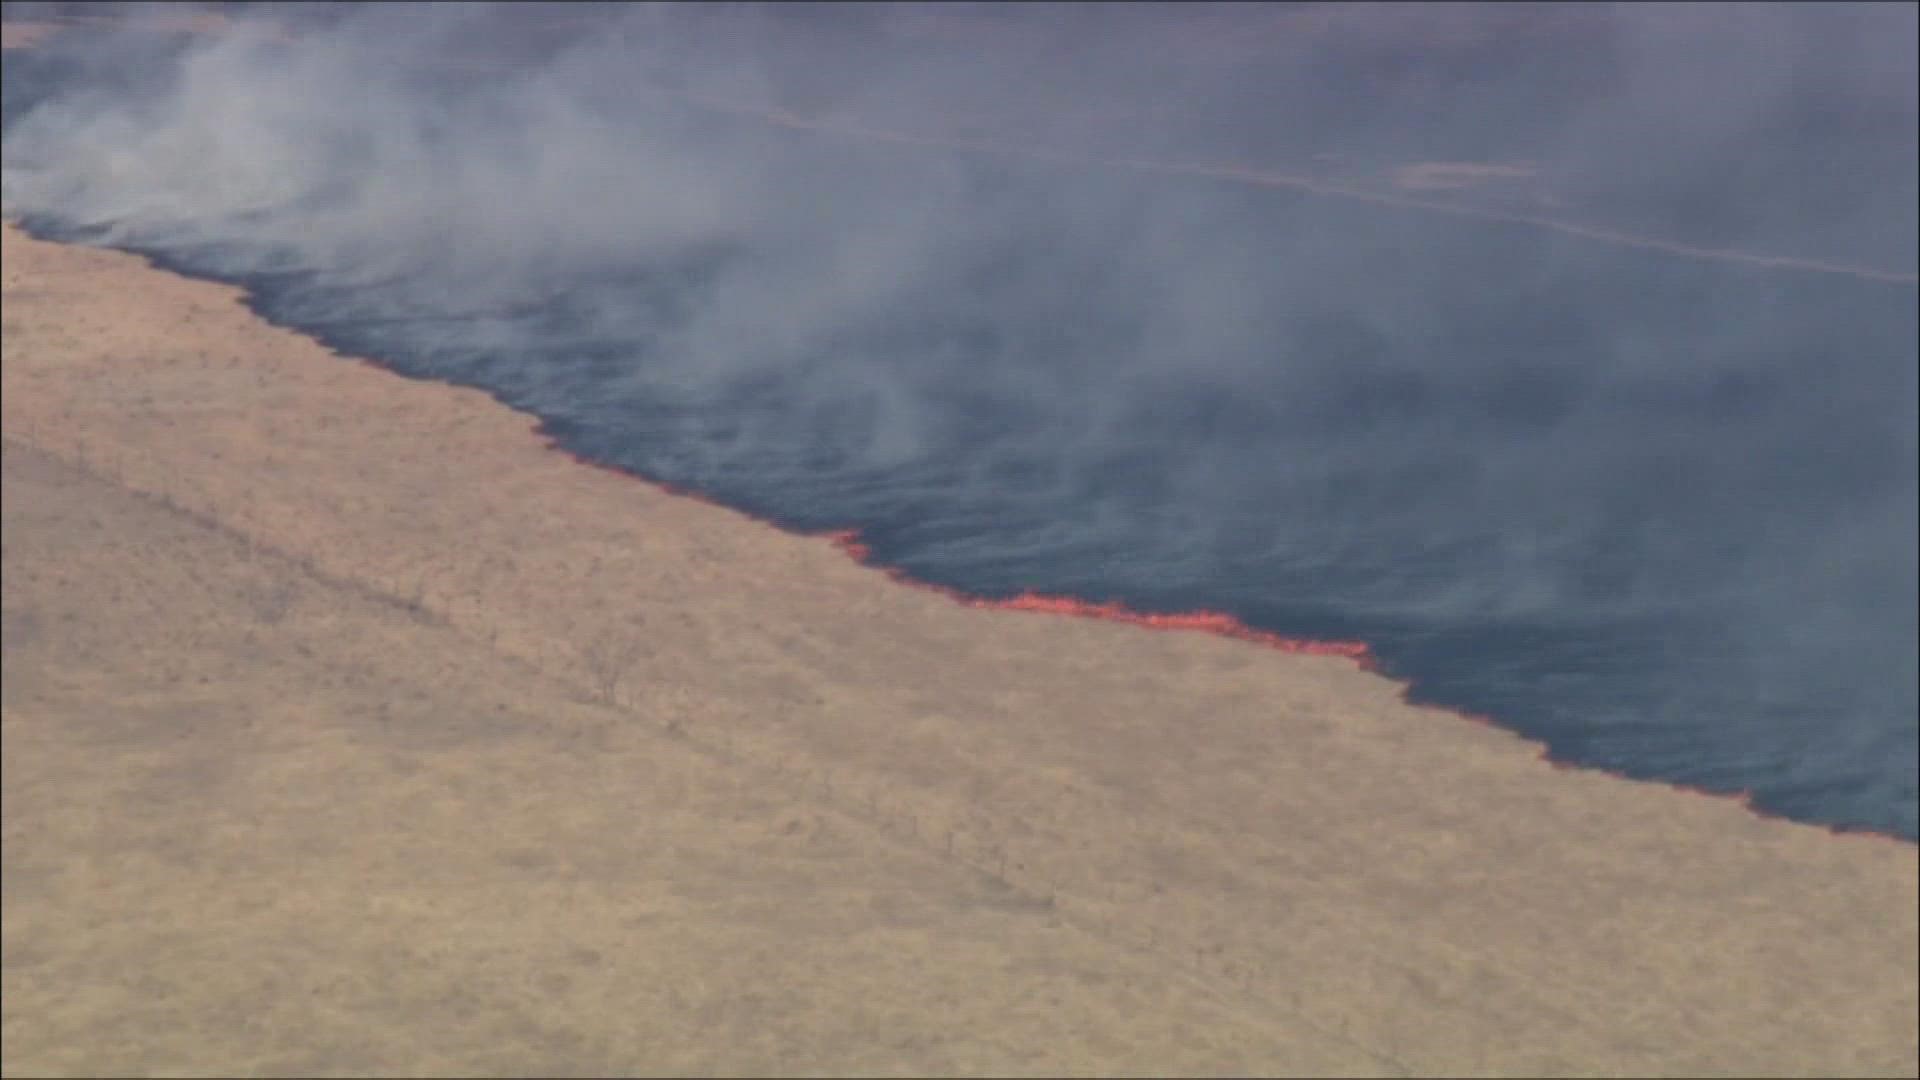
[[1144, 302]]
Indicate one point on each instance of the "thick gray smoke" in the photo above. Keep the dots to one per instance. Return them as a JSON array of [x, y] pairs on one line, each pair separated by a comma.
[[1551, 317]]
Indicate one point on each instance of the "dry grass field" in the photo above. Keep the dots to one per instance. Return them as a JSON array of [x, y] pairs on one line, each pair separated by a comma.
[[350, 730]]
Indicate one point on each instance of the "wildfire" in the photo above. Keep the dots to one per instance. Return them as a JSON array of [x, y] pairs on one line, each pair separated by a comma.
[[1206, 622]]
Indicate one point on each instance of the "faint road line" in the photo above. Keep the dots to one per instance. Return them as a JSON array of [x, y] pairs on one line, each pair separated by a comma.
[[1262, 178]]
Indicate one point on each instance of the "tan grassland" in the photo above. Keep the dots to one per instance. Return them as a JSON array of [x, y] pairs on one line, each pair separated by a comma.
[[348, 729]]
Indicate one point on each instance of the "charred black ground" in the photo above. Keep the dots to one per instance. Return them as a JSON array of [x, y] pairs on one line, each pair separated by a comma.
[[1657, 511]]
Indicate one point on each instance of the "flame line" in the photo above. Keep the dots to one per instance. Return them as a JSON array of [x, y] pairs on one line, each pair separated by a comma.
[[1207, 622]]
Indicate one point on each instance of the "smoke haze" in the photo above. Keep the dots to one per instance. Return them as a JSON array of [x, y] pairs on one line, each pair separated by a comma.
[[1566, 353]]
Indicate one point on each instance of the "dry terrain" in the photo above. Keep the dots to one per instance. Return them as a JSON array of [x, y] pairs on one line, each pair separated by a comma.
[[348, 729]]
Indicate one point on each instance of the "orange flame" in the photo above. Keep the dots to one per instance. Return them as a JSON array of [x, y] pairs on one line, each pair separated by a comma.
[[1206, 622]]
